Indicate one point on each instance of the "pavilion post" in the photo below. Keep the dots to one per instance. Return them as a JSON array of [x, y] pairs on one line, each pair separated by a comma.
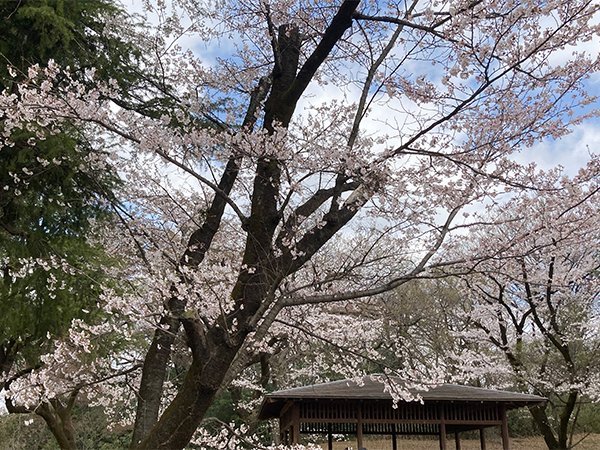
[[329, 437], [281, 432], [442, 428], [482, 438], [295, 428], [359, 427], [457, 440], [394, 437], [505, 436]]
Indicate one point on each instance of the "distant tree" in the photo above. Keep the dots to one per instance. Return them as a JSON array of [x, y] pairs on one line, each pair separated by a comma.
[[536, 303]]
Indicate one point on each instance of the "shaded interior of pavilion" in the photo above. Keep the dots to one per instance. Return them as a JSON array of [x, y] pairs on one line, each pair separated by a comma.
[[363, 407]]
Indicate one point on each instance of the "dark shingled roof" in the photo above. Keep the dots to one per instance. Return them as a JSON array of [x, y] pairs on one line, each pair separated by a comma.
[[369, 388]]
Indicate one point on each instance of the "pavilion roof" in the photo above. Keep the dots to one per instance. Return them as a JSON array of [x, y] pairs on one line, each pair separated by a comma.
[[372, 388]]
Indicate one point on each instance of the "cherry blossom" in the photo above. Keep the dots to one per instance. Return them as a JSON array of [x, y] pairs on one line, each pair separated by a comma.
[[249, 209]]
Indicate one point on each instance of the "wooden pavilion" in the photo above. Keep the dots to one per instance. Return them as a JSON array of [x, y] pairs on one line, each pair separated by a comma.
[[362, 406]]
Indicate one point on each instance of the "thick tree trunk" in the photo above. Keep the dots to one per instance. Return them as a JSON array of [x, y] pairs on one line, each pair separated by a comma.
[[59, 420], [157, 358], [565, 418], [56, 414], [159, 353], [183, 416], [543, 424]]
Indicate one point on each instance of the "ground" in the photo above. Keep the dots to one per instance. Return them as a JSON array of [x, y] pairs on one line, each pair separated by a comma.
[[592, 442]]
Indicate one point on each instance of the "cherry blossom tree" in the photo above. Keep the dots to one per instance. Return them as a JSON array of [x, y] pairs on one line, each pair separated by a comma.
[[250, 199], [535, 303]]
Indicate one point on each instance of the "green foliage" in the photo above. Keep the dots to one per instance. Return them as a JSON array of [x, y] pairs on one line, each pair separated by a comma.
[[46, 300], [50, 191], [223, 408], [521, 424], [588, 418], [71, 32], [45, 217], [28, 431], [54, 188], [49, 27], [17, 434]]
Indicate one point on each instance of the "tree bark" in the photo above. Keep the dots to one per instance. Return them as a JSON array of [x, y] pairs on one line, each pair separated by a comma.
[[182, 417], [214, 348], [60, 422], [153, 378], [8, 350], [57, 416], [159, 353], [543, 423], [565, 418]]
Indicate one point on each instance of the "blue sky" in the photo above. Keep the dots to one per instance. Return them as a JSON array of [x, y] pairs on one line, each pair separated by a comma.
[[571, 152]]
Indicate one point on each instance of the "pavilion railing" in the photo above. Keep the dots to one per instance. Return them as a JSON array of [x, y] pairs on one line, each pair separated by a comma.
[[381, 412]]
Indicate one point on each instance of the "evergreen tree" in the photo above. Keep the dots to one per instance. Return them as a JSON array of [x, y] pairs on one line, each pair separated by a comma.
[[51, 191]]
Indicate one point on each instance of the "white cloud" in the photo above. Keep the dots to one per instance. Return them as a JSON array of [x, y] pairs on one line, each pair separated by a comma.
[[572, 152]]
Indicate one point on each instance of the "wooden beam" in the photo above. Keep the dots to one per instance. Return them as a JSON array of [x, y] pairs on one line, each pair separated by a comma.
[[482, 438], [284, 417], [329, 437], [295, 428], [359, 427], [394, 437], [281, 432], [505, 436], [457, 440], [442, 428]]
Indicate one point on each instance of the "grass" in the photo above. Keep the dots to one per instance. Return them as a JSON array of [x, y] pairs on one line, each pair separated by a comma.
[[591, 442]]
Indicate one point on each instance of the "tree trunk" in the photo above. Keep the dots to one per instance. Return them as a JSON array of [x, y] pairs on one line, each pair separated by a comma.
[[59, 420], [565, 418], [56, 414], [183, 416], [543, 424], [155, 364], [153, 378], [8, 350]]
